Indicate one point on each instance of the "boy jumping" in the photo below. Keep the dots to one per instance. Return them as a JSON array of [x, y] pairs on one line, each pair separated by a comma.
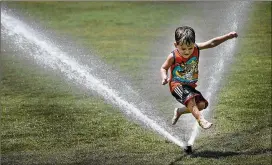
[[183, 64]]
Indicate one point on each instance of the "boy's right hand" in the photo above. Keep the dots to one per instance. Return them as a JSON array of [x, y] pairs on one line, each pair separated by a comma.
[[165, 80], [232, 35]]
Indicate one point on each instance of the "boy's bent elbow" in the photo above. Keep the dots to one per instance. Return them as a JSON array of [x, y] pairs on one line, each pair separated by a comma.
[[163, 70]]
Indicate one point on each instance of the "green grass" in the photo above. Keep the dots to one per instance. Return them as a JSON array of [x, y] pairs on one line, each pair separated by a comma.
[[45, 121]]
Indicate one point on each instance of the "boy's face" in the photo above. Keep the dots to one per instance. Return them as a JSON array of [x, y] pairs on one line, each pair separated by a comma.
[[185, 49]]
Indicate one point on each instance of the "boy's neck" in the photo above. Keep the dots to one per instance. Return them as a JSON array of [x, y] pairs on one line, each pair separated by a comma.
[[183, 55]]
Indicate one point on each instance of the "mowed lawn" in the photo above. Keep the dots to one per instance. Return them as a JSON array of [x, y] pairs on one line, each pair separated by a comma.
[[44, 121]]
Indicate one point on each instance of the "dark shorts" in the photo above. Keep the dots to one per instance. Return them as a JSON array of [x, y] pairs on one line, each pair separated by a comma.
[[183, 93]]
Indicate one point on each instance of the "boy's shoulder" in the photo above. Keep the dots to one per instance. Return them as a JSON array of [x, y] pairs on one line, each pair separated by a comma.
[[196, 46]]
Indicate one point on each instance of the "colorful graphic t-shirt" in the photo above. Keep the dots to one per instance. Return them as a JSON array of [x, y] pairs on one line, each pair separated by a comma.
[[184, 70]]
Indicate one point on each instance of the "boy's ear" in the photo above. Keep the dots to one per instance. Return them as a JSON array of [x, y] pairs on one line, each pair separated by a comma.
[[175, 44]]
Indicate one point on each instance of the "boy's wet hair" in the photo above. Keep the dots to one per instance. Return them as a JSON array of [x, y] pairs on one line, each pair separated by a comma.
[[185, 34]]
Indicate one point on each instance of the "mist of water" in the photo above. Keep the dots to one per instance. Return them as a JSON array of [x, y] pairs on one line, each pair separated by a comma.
[[47, 54]]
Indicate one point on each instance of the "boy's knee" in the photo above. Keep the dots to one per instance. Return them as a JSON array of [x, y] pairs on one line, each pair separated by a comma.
[[201, 105], [191, 103]]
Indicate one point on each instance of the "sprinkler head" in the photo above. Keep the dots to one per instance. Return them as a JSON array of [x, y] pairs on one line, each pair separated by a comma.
[[188, 150]]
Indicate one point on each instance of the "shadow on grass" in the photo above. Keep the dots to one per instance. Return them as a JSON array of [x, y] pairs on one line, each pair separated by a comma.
[[219, 154]]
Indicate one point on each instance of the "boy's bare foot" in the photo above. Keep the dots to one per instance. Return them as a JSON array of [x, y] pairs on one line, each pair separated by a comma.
[[204, 124]]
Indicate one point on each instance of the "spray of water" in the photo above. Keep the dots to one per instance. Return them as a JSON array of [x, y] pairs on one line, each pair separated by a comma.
[[47, 54], [223, 58]]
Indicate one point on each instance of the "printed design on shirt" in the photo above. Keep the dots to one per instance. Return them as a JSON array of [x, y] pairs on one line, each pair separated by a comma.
[[186, 72]]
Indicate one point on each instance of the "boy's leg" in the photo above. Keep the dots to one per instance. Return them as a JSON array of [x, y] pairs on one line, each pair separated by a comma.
[[180, 111], [192, 106], [184, 110], [187, 95], [201, 105]]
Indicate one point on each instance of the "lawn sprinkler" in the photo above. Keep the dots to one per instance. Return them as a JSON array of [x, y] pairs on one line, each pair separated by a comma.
[[188, 150]]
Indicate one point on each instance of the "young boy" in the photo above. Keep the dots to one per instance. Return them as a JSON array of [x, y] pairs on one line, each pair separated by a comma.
[[183, 64]]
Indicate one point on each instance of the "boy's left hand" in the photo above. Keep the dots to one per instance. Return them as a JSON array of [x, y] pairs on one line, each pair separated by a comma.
[[165, 81], [232, 35]]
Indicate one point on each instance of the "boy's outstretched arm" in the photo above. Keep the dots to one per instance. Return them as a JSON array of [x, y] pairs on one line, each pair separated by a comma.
[[164, 68], [217, 40]]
